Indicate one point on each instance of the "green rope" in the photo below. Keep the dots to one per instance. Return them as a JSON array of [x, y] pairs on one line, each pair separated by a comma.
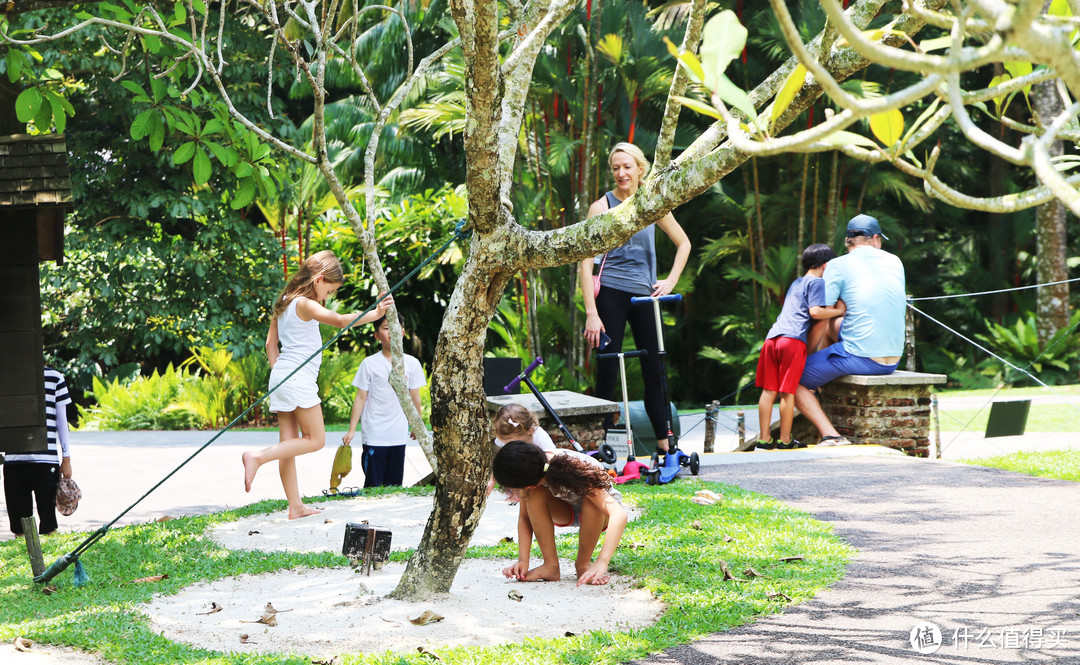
[[63, 562]]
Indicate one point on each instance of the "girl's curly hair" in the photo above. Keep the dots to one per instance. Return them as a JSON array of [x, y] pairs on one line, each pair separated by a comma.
[[519, 464]]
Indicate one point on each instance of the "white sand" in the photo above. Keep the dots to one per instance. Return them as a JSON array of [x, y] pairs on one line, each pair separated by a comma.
[[337, 611]]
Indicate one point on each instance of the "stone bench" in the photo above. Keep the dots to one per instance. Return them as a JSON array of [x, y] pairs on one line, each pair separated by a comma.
[[582, 414], [890, 410]]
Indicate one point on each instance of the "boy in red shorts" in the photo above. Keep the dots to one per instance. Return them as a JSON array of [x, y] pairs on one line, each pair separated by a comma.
[[780, 365]]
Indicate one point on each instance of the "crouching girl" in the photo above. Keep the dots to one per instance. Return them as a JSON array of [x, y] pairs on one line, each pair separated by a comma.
[[562, 488]]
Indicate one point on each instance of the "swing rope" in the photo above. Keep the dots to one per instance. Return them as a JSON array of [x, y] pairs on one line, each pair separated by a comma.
[[73, 556]]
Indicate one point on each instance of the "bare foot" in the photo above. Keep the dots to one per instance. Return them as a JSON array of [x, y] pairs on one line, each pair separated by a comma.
[[548, 572], [250, 467], [303, 511]]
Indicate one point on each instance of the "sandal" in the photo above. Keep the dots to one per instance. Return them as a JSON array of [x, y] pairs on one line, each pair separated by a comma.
[[834, 441], [344, 491]]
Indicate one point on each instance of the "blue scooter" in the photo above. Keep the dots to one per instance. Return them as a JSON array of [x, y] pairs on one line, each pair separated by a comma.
[[674, 459]]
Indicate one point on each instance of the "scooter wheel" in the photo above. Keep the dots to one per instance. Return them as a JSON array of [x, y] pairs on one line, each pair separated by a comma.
[[653, 477], [695, 463], [606, 453]]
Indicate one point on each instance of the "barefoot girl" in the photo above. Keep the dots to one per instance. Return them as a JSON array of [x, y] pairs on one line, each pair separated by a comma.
[[563, 488], [298, 311]]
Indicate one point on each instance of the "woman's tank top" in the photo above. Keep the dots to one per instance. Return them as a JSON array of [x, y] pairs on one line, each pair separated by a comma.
[[631, 267], [299, 339]]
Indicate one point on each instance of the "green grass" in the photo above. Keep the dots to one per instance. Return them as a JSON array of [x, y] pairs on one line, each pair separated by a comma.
[[1060, 464], [1041, 418], [678, 563], [1031, 391]]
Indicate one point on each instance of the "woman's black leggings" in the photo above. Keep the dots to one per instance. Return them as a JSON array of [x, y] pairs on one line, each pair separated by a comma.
[[614, 308]]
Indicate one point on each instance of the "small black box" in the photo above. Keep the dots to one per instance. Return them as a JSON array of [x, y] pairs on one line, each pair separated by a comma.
[[358, 548]]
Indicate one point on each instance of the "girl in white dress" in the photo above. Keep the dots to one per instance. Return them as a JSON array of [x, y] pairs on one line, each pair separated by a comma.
[[294, 326]]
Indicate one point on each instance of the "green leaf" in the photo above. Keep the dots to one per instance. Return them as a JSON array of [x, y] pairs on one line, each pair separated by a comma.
[[722, 41], [59, 110], [52, 75], [15, 64], [201, 167], [734, 96], [185, 152], [155, 130], [243, 170], [139, 125], [27, 104], [226, 156], [1059, 8], [888, 127], [152, 43], [792, 86], [847, 138], [688, 61], [244, 195], [200, 6], [699, 106], [213, 126], [84, 16], [44, 118], [136, 89], [935, 44], [180, 13], [157, 86]]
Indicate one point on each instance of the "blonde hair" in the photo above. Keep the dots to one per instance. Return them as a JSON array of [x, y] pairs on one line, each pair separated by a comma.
[[302, 283], [635, 153], [513, 420]]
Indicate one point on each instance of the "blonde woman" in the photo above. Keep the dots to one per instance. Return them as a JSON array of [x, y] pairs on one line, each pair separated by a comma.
[[625, 272]]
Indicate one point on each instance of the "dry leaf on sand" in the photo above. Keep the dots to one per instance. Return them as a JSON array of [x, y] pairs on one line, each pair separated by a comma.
[[778, 596], [426, 617], [253, 532], [696, 524], [25, 645], [244, 639], [214, 607], [270, 609], [750, 572], [268, 618], [514, 595]]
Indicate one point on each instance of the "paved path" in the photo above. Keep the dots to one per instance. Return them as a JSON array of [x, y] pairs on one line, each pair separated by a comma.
[[991, 557]]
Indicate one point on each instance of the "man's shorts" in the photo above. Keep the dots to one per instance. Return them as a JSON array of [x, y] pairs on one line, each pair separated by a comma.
[[834, 361], [780, 365]]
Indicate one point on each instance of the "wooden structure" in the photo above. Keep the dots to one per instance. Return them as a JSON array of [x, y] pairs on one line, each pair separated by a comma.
[[35, 195]]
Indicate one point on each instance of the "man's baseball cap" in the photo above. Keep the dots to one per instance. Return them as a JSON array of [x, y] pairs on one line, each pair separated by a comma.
[[864, 225]]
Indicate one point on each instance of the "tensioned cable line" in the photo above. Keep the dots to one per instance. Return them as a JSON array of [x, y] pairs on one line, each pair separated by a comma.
[[72, 557], [985, 293]]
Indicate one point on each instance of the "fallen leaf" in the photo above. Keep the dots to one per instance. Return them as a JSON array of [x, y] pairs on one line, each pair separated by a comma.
[[214, 607], [750, 572], [507, 539], [336, 660], [49, 589], [514, 595], [327, 521], [268, 618], [253, 532], [789, 559], [164, 518], [727, 573], [703, 501], [391, 620], [144, 580], [427, 617], [569, 634], [26, 645], [696, 524], [710, 495], [778, 596], [728, 539], [270, 609], [636, 546], [244, 639], [429, 653]]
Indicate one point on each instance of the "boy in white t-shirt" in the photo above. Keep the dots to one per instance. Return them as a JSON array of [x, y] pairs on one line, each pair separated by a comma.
[[384, 426]]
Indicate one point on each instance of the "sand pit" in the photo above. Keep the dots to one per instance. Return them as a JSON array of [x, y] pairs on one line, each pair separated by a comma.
[[336, 611]]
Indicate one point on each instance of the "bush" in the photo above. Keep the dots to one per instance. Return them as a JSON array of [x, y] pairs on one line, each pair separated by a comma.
[[139, 403]]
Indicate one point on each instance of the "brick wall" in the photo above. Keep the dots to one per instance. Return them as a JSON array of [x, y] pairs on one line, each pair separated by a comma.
[[889, 415]]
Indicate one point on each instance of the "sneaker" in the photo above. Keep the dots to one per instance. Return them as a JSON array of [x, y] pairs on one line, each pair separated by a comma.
[[834, 441], [790, 445], [766, 445]]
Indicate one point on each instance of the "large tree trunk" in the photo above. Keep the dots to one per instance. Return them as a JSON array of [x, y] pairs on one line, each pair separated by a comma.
[[1052, 309], [458, 418]]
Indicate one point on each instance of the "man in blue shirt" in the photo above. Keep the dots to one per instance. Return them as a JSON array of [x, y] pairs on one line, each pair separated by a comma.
[[870, 281]]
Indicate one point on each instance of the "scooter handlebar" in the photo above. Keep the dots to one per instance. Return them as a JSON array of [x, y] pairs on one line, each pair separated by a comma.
[[639, 300], [513, 385], [628, 354]]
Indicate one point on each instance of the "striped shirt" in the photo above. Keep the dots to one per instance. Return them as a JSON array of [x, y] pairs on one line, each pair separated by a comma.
[[56, 397]]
